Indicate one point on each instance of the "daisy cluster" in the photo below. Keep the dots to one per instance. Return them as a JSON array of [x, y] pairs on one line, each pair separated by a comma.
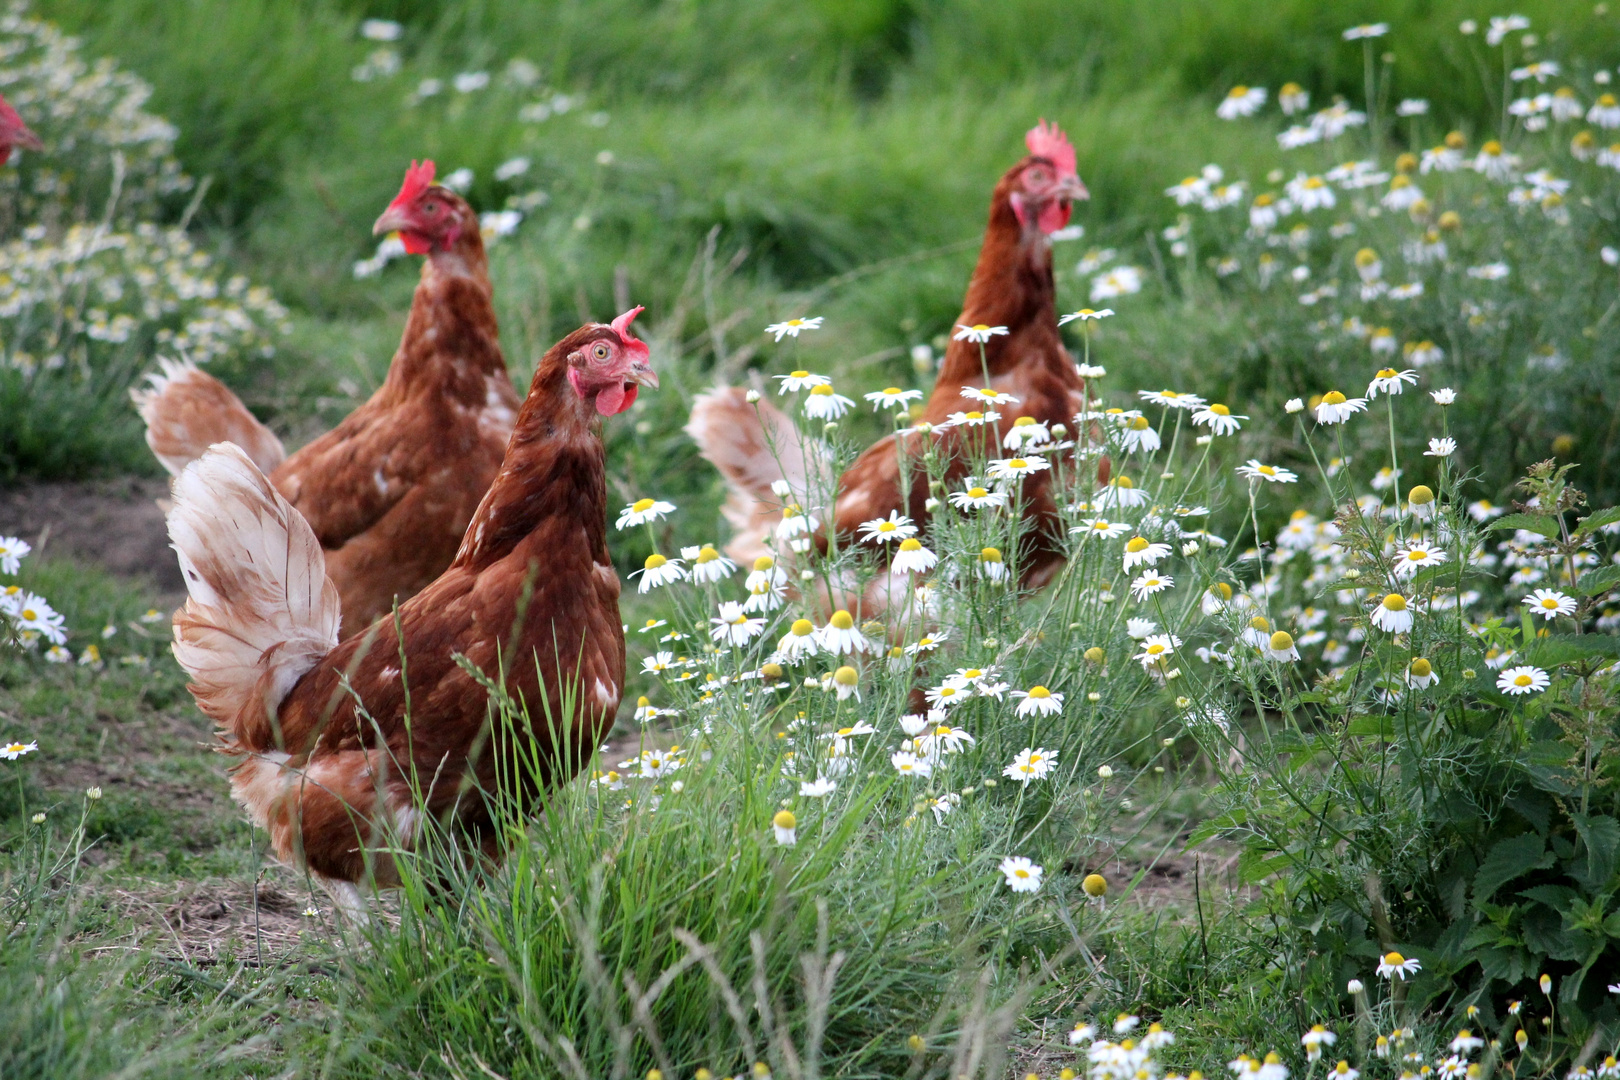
[[27, 619], [85, 283]]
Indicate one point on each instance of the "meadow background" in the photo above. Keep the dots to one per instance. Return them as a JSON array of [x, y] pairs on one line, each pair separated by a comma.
[[729, 163]]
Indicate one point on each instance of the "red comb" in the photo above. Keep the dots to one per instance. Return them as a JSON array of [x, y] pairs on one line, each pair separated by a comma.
[[621, 326], [418, 178], [1048, 141], [13, 130]]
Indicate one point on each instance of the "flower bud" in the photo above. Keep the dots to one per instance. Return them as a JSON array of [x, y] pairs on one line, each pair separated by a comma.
[[1294, 405], [751, 397]]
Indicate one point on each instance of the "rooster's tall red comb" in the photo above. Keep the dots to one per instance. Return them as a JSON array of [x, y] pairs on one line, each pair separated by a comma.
[[418, 178], [1048, 141], [13, 132], [621, 326]]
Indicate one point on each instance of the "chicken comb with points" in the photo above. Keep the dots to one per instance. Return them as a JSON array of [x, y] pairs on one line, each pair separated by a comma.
[[1048, 141], [621, 326], [418, 178]]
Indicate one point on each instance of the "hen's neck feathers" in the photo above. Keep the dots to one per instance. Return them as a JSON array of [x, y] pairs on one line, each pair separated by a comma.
[[553, 467], [1011, 286], [451, 343]]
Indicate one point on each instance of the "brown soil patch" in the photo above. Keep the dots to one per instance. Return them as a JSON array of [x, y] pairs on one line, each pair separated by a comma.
[[115, 523]]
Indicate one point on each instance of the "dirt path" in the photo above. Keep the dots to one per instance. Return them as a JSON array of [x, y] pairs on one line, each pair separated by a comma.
[[115, 524]]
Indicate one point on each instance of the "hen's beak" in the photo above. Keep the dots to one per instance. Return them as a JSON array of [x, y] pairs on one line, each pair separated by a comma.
[[394, 219], [20, 136], [1070, 187], [642, 374]]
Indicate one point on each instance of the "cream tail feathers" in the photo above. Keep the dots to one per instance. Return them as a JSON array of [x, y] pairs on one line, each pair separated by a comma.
[[187, 410]]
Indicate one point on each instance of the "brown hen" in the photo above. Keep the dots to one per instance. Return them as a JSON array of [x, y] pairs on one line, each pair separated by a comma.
[[531, 598], [390, 490], [1011, 287]]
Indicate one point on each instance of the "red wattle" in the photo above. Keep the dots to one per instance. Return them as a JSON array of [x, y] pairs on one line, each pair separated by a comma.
[[415, 243], [615, 398], [1054, 216]]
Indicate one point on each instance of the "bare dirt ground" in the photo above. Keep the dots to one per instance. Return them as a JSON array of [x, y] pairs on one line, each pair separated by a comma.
[[116, 524]]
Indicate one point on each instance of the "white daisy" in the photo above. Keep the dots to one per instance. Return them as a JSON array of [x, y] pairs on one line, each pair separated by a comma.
[[1171, 399], [643, 512], [1416, 556], [979, 333], [818, 788], [13, 750], [34, 616], [794, 327], [1218, 418], [972, 418], [708, 565], [734, 626], [1025, 431], [1139, 436], [822, 403], [892, 398], [1139, 551], [1084, 315], [887, 530], [799, 642], [1392, 614], [974, 497], [991, 564], [913, 558], [1031, 764], [1390, 381], [12, 550], [1150, 583], [1550, 604], [785, 826], [1241, 101], [1014, 468], [1366, 30], [1023, 876], [1254, 470], [1335, 408], [1101, 528], [1120, 281], [1156, 649], [1421, 674], [988, 396], [841, 635], [795, 381], [1441, 448], [908, 764], [1038, 700], [1280, 647], [1395, 966], [942, 738]]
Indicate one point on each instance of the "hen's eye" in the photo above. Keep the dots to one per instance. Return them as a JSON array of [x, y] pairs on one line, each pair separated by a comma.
[[430, 208], [1037, 176], [599, 351]]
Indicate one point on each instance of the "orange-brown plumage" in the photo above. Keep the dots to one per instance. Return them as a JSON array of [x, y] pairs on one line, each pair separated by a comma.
[[390, 490], [530, 598], [1012, 286]]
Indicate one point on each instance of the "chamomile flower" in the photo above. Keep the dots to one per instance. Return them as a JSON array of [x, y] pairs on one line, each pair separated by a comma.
[[1395, 966], [1316, 1038], [794, 327], [1392, 614], [913, 558], [734, 626], [941, 739], [13, 750], [643, 512], [34, 616], [1031, 764], [1550, 604], [1280, 647], [795, 381], [892, 398], [1016, 468], [785, 826], [708, 565], [658, 570], [974, 497], [1335, 408], [1120, 281], [1366, 30], [1139, 551], [979, 333], [1441, 448], [58, 654], [1100, 528], [1084, 315], [1023, 876], [948, 694], [1150, 583], [1421, 674], [1241, 101], [846, 681], [1139, 436], [1156, 650], [1025, 431], [887, 530], [841, 635], [795, 522], [658, 663], [909, 764], [1417, 556], [988, 396], [1254, 470], [927, 643], [1218, 418], [1171, 399], [1390, 381], [12, 550], [1484, 510], [1120, 491], [972, 418], [819, 788], [991, 564], [799, 642], [823, 403], [1038, 701]]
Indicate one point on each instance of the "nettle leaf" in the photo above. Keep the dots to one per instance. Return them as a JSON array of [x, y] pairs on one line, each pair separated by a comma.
[[1536, 523], [1508, 859], [1596, 521], [1601, 834], [1557, 897], [1599, 581]]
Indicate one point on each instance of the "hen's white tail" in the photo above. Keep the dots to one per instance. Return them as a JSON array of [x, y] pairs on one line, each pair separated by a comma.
[[261, 610], [187, 410], [753, 446]]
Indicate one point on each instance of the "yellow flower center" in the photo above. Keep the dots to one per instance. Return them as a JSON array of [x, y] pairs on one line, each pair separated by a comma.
[[977, 493], [911, 544], [1136, 543], [1366, 257], [1549, 603], [1522, 680], [784, 819], [1017, 463], [1039, 692], [972, 673], [1333, 397], [1220, 410], [1422, 668], [1386, 373], [822, 391], [707, 554], [642, 703], [1155, 649], [654, 561], [1395, 602], [975, 415], [990, 554], [1140, 423], [1417, 555], [1259, 622], [1421, 495], [887, 526], [1400, 182], [802, 628], [764, 562], [1124, 482], [1315, 182], [842, 620], [892, 391], [1024, 421], [1238, 91], [798, 374], [1282, 641], [642, 506], [981, 327], [1493, 148], [845, 676], [1266, 470]]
